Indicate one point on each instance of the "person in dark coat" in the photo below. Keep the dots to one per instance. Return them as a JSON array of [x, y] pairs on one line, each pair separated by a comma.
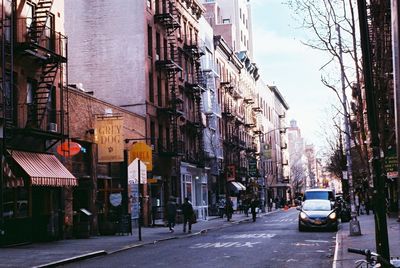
[[188, 213], [253, 206], [171, 213], [229, 208]]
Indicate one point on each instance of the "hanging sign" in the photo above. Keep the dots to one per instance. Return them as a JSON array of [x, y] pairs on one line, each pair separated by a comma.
[[144, 152], [109, 139], [68, 148]]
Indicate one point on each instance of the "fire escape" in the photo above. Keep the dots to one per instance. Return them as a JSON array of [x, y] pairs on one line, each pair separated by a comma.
[[379, 22], [45, 49], [169, 65], [194, 88], [7, 68]]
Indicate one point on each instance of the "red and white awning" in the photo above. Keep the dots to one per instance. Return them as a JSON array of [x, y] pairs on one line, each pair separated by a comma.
[[44, 169], [10, 180]]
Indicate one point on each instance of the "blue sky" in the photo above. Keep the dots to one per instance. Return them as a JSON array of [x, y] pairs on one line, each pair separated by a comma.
[[291, 66]]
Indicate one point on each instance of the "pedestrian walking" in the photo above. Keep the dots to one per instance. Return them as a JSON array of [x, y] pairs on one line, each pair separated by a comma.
[[270, 203], [253, 206], [357, 204], [221, 207], [229, 208], [367, 204], [276, 202], [171, 213], [188, 213]]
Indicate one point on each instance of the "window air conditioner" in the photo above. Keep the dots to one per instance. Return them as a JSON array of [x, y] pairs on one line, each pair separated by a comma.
[[52, 127]]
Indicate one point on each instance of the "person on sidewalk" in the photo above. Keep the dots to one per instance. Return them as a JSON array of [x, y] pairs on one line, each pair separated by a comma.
[[270, 203], [253, 206], [221, 207], [187, 211], [357, 204], [171, 213], [229, 208]]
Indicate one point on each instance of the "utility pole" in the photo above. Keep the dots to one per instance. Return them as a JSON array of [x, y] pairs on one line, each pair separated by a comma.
[[381, 235], [354, 222]]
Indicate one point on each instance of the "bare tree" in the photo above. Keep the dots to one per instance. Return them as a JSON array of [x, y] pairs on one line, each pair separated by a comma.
[[323, 19]]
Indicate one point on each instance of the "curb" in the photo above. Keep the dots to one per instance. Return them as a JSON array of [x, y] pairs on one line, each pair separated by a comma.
[[73, 259]]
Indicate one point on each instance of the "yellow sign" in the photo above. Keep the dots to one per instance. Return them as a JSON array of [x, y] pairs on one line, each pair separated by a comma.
[[142, 151], [152, 180], [109, 138]]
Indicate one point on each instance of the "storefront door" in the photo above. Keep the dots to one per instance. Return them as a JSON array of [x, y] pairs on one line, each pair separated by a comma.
[[46, 213]]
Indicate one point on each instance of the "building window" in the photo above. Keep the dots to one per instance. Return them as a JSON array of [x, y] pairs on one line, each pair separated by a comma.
[[150, 40], [158, 46], [185, 31], [165, 49], [50, 33], [152, 132], [149, 4], [151, 87], [159, 90], [226, 21]]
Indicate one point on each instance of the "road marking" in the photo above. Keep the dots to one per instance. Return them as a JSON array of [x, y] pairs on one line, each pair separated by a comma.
[[248, 236], [291, 260], [317, 241], [225, 245]]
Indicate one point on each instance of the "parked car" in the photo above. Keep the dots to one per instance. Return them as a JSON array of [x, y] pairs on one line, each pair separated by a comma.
[[317, 214]]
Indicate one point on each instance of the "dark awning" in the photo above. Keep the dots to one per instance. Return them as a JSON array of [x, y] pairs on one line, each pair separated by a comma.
[[44, 169]]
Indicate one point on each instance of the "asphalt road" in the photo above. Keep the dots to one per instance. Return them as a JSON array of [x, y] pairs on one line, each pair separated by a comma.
[[272, 241]]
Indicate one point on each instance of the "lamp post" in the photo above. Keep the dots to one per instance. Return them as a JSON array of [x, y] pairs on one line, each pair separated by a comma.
[[354, 224]]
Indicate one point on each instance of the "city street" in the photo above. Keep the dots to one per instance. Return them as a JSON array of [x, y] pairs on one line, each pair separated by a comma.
[[273, 241]]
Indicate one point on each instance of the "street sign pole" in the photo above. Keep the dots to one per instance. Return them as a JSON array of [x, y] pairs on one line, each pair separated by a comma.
[[140, 203]]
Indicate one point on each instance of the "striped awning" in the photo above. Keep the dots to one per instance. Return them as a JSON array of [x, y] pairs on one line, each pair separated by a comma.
[[10, 180], [44, 169]]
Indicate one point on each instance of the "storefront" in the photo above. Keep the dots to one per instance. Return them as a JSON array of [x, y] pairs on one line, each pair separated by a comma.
[[34, 197], [194, 186]]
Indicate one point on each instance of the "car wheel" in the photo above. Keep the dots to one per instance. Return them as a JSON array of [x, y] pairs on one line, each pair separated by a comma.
[[301, 228], [335, 228]]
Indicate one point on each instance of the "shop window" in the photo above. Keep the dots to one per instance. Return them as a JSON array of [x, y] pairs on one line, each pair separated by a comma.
[[15, 203]]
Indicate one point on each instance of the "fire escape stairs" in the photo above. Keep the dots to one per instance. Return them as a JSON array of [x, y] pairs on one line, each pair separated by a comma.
[[43, 93], [7, 72], [41, 16]]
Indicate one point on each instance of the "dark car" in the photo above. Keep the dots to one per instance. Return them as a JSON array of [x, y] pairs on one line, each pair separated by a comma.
[[317, 214]]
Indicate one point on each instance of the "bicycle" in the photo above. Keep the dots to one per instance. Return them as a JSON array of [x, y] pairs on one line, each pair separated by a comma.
[[372, 259]]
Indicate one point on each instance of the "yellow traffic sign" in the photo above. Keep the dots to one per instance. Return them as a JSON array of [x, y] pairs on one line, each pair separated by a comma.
[[142, 151]]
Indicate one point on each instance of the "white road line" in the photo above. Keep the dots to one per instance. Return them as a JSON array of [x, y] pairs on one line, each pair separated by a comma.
[[336, 251], [317, 241]]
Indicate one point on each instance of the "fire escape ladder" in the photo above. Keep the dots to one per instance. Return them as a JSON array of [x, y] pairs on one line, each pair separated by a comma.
[[42, 94], [40, 18], [200, 138], [7, 70]]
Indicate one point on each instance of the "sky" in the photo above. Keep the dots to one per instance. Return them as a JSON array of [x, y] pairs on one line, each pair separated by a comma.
[[291, 66]]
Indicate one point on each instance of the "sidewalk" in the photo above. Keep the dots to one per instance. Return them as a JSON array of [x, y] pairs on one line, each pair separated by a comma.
[[343, 259], [64, 251]]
